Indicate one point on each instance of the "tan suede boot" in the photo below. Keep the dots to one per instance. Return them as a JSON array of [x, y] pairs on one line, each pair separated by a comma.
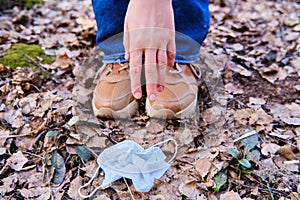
[[179, 98], [112, 95]]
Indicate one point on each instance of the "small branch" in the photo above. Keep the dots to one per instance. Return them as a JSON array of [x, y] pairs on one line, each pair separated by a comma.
[[262, 189], [15, 136], [5, 167], [248, 134], [36, 63], [270, 190]]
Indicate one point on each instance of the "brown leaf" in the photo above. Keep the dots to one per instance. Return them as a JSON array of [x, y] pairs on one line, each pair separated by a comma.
[[286, 152], [9, 184], [269, 148], [289, 113], [36, 193], [291, 36], [202, 166], [62, 62], [86, 23], [256, 101], [207, 153], [29, 103], [185, 136], [233, 89], [17, 161], [74, 185], [282, 134], [14, 117], [237, 47], [4, 134], [189, 189], [241, 70], [296, 64], [230, 195]]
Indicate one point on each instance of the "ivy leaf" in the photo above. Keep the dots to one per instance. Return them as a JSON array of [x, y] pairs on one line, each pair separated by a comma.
[[220, 179], [250, 142], [84, 153], [245, 163], [234, 152], [59, 167]]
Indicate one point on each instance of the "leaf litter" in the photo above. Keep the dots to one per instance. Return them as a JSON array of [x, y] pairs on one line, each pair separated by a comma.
[[48, 135]]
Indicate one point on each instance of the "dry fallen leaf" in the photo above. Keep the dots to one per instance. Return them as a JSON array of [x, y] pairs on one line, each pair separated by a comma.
[[269, 149], [36, 193], [75, 184], [86, 23], [9, 184], [286, 152], [14, 117], [202, 166], [233, 89], [189, 189], [17, 161], [230, 195]]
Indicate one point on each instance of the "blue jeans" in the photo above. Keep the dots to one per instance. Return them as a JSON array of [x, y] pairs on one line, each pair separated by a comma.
[[191, 25]]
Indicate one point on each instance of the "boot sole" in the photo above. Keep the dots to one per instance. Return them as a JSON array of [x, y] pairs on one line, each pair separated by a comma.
[[126, 112], [165, 113]]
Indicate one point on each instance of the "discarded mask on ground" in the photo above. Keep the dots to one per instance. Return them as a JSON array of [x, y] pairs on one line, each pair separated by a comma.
[[128, 159]]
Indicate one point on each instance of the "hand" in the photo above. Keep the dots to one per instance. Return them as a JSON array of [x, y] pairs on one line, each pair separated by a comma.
[[149, 31]]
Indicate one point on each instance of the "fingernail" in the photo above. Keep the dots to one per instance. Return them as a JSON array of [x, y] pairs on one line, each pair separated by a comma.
[[152, 97], [160, 88], [137, 95]]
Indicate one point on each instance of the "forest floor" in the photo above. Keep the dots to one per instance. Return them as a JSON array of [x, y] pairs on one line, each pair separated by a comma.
[[243, 142]]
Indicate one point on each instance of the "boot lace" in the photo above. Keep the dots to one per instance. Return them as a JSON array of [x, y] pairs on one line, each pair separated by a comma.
[[194, 67]]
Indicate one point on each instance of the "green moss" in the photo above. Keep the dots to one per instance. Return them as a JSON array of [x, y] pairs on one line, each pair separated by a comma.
[[15, 56], [30, 3], [7, 4]]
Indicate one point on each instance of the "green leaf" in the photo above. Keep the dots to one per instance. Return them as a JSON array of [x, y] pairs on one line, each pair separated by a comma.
[[84, 153], [250, 142], [52, 133], [220, 179], [234, 152], [245, 163], [59, 167]]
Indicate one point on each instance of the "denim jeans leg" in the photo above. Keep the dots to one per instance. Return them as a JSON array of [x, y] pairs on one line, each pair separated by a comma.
[[191, 24]]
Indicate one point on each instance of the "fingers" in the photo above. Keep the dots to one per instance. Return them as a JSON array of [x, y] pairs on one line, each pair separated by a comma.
[[162, 62], [171, 53], [126, 41], [135, 70], [151, 73]]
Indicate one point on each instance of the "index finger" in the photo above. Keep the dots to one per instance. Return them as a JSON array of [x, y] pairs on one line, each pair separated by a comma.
[[135, 70], [151, 73]]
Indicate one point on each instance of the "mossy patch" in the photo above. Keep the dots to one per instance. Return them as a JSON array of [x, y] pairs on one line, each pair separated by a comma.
[[30, 3], [7, 4], [16, 56]]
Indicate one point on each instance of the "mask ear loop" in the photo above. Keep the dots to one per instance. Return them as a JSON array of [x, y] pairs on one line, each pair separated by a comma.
[[165, 141], [96, 172], [89, 182]]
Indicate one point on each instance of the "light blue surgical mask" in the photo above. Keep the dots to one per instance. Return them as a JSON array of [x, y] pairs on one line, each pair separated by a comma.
[[129, 160]]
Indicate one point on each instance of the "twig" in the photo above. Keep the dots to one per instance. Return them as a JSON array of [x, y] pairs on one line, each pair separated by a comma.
[[129, 189], [35, 87], [4, 82], [261, 189], [33, 154], [270, 190], [5, 167], [36, 63], [248, 134], [15, 136]]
